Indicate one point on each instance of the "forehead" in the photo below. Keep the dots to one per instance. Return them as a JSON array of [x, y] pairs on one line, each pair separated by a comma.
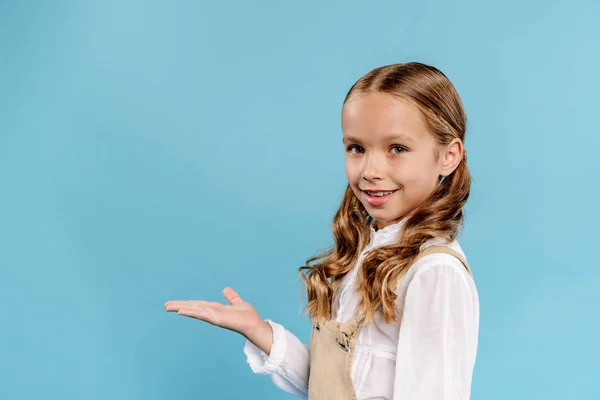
[[376, 116]]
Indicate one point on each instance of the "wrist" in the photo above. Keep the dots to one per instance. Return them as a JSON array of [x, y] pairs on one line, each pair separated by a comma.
[[261, 336], [256, 329]]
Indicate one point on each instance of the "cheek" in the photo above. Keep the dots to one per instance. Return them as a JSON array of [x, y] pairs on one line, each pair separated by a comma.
[[416, 177], [351, 172]]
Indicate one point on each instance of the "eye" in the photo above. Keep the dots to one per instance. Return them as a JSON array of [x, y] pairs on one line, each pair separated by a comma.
[[398, 149], [354, 148]]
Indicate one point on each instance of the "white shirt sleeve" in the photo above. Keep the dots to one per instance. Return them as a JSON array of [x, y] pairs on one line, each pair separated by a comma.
[[438, 335], [288, 362]]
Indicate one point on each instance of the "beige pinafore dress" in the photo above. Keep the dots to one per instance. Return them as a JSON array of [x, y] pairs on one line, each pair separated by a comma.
[[332, 350]]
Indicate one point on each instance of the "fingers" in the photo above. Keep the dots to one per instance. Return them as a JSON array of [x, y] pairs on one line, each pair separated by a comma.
[[232, 297], [203, 314], [176, 305]]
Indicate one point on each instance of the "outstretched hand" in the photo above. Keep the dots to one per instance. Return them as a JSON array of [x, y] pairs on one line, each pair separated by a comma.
[[238, 316]]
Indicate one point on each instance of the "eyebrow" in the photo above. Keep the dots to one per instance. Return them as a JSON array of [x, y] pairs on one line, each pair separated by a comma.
[[394, 137]]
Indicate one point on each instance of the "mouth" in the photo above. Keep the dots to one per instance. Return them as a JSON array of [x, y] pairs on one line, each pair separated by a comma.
[[378, 193], [379, 197]]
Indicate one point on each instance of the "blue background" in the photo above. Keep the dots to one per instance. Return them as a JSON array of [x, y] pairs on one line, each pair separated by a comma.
[[155, 150]]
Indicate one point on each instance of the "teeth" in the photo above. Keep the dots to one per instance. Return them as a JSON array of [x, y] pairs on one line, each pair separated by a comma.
[[378, 194]]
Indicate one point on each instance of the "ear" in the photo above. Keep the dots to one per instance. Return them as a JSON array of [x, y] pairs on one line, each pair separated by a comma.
[[452, 155]]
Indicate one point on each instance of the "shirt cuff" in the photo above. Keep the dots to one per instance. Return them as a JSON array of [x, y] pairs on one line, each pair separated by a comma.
[[259, 362]]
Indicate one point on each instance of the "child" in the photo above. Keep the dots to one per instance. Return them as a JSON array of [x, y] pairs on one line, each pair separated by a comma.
[[394, 308]]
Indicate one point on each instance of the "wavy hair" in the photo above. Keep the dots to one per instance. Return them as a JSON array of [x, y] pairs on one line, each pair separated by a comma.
[[439, 216]]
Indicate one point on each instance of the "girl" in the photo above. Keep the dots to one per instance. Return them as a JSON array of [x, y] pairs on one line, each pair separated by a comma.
[[394, 308]]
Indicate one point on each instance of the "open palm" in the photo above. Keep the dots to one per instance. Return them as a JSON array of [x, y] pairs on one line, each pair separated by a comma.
[[238, 315]]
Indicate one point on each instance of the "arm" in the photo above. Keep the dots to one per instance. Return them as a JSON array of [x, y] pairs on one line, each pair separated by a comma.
[[270, 348], [438, 337], [288, 361]]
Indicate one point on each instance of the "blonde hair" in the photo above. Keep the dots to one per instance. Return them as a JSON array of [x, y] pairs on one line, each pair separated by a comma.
[[439, 216]]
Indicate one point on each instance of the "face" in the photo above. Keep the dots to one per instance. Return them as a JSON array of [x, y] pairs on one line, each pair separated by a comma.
[[393, 163]]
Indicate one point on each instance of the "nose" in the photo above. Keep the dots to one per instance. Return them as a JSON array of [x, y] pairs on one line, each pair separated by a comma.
[[373, 168]]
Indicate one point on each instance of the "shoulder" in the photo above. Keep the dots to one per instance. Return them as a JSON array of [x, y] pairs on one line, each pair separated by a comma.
[[438, 268], [438, 262]]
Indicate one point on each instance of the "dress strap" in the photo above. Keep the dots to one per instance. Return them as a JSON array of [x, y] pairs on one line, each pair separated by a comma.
[[445, 250], [351, 326], [346, 331]]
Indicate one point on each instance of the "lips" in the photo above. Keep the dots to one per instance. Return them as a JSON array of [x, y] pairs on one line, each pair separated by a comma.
[[380, 199]]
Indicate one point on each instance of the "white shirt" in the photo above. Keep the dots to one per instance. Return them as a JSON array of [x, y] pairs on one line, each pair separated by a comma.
[[428, 354]]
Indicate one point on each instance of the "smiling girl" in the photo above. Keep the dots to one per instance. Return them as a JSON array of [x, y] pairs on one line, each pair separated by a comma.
[[394, 308]]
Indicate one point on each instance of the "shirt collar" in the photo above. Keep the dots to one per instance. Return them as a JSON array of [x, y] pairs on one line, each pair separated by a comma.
[[387, 235]]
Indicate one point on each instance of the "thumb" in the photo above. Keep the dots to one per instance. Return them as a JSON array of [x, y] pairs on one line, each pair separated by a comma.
[[232, 297]]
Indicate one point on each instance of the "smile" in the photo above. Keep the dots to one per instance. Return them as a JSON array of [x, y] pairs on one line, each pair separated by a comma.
[[378, 198]]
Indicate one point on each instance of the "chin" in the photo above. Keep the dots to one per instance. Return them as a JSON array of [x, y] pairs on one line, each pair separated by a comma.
[[386, 218], [382, 219]]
